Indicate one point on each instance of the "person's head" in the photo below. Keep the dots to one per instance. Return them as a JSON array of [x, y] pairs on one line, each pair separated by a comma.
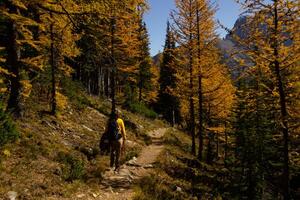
[[117, 115], [114, 115]]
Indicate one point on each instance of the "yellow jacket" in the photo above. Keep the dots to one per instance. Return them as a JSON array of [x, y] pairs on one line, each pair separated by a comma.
[[121, 125]]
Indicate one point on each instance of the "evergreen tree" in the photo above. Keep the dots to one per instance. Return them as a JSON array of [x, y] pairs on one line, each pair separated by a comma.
[[184, 25], [271, 60], [195, 33], [19, 39], [144, 77], [168, 103], [59, 44]]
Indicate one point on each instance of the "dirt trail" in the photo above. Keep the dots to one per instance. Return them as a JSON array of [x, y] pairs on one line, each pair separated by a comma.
[[118, 186]]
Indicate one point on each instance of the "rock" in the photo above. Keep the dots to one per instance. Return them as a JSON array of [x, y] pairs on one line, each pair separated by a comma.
[[95, 195], [124, 172], [48, 124], [148, 166], [80, 195], [12, 195], [96, 112], [140, 126], [132, 162], [87, 128], [178, 189], [90, 153]]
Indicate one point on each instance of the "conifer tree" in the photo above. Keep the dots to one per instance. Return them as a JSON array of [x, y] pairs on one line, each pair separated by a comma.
[[168, 103], [205, 28], [18, 38], [59, 44], [144, 76], [272, 49], [125, 19], [195, 33], [184, 25]]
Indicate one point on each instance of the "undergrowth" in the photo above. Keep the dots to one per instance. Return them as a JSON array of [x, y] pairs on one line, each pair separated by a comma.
[[8, 131], [73, 166], [160, 187], [142, 109], [180, 175]]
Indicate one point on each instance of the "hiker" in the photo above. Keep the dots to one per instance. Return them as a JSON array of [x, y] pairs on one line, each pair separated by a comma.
[[117, 137]]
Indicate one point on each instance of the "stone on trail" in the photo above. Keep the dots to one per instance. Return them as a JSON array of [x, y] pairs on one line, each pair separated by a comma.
[[95, 195], [12, 195], [80, 195], [148, 166], [178, 189], [133, 162]]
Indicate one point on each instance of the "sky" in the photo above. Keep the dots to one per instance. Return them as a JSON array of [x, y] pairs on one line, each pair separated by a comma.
[[156, 19]]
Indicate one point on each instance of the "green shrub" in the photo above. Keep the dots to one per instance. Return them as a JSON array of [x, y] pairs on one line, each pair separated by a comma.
[[73, 167], [104, 109], [142, 109], [132, 152], [158, 187], [75, 92], [8, 131]]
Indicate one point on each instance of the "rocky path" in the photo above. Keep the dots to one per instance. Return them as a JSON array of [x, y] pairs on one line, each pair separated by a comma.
[[118, 186]]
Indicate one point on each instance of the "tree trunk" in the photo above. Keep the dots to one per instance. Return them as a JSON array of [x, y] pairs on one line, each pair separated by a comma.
[[191, 87], [13, 50], [226, 144], [53, 70], [192, 107], [106, 83], [209, 156], [200, 95], [114, 67], [283, 108]]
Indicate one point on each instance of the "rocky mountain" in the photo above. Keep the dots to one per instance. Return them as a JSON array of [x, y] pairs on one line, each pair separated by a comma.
[[229, 47], [226, 45]]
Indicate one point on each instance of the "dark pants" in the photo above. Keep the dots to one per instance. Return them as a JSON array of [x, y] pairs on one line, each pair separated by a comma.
[[115, 147]]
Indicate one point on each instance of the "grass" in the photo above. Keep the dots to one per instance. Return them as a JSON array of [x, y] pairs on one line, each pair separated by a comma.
[[8, 131], [142, 109], [160, 186], [131, 152], [49, 158], [177, 168], [73, 166]]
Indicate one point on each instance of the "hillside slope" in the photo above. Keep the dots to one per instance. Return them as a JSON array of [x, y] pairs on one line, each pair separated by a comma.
[[58, 157]]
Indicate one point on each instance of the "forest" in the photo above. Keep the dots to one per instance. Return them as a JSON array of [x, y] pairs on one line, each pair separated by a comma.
[[236, 99]]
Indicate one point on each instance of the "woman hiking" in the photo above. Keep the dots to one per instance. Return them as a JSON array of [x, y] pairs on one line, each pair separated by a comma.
[[117, 137]]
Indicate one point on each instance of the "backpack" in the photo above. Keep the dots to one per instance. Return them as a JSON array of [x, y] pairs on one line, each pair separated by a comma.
[[113, 131], [104, 143]]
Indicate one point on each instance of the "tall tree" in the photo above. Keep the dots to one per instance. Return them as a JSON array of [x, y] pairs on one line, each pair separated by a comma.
[[205, 28], [168, 102], [144, 76], [184, 25], [18, 38], [124, 45], [272, 46], [59, 43]]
